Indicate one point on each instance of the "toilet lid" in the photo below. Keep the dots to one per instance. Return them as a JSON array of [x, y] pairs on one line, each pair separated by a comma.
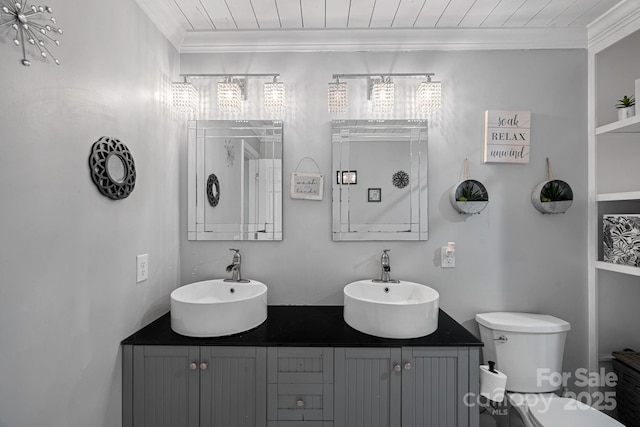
[[561, 412]]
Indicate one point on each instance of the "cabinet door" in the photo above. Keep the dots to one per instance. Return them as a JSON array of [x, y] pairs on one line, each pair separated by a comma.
[[233, 387], [367, 388], [435, 382], [165, 387]]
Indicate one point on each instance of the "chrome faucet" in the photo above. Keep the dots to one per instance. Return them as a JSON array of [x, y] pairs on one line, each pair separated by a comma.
[[234, 268], [385, 276]]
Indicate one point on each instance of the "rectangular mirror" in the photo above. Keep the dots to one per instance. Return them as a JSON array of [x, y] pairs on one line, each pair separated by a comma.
[[379, 179], [235, 180]]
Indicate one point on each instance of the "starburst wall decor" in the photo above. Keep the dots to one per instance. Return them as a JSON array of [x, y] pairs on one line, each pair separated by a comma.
[[32, 27]]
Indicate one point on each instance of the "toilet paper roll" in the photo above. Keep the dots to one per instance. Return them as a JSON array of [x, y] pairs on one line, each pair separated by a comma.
[[492, 384]]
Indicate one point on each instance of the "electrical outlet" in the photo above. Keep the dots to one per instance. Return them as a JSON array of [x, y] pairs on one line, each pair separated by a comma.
[[142, 269], [447, 261]]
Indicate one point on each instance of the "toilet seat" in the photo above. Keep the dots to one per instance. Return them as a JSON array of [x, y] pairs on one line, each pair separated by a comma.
[[549, 410]]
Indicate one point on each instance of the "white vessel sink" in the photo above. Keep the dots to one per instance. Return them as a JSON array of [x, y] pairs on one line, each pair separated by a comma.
[[215, 308], [391, 310]]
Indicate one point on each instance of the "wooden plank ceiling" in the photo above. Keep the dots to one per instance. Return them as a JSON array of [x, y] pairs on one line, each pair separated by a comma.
[[212, 15]]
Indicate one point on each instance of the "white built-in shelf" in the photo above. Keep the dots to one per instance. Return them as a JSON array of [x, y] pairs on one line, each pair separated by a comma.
[[612, 197], [618, 268], [629, 125]]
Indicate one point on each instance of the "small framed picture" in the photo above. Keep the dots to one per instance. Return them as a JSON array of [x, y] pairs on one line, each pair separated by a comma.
[[375, 194]]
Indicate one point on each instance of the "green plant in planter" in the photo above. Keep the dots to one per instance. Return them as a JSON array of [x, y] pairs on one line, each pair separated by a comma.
[[626, 102], [556, 191], [470, 192]]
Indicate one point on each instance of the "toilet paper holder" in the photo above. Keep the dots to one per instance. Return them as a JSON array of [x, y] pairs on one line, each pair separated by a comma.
[[492, 382]]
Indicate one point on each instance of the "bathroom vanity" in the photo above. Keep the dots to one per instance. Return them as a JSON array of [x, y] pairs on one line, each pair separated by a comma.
[[303, 367]]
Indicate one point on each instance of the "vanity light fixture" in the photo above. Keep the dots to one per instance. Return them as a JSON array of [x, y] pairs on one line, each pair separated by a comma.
[[186, 98], [230, 95], [338, 98], [24, 20], [274, 96], [232, 90], [381, 92], [429, 96]]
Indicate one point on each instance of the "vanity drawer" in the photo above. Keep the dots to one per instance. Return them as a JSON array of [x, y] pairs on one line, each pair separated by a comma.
[[300, 402], [292, 365]]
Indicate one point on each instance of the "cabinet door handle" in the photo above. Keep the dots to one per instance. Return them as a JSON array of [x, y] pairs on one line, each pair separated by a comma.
[[397, 367], [193, 366], [204, 366], [407, 366], [300, 403]]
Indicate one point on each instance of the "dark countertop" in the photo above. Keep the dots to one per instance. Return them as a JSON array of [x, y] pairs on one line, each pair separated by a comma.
[[305, 326]]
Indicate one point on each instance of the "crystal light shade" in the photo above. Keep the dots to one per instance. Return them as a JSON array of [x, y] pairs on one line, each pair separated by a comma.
[[338, 99], [274, 96], [429, 96], [229, 96], [383, 96], [185, 97]]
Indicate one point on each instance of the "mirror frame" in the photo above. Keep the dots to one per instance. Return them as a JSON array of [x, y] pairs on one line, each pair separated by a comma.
[[101, 151], [202, 195], [341, 135]]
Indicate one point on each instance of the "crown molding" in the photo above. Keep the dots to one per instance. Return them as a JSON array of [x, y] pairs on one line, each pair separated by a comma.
[[615, 24], [382, 40]]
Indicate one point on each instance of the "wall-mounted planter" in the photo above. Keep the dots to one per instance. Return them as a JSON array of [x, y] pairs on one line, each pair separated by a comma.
[[469, 197], [552, 197]]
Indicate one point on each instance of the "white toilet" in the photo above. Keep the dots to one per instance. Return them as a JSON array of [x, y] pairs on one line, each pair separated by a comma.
[[524, 345]]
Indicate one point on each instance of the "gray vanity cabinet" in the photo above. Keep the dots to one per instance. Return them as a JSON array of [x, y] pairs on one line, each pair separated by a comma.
[[180, 386], [408, 387]]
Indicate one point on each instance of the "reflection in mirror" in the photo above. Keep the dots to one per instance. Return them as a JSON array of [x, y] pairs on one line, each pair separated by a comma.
[[388, 200], [116, 168], [235, 180]]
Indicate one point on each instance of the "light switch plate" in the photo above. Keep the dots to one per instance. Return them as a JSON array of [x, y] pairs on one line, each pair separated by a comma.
[[142, 268]]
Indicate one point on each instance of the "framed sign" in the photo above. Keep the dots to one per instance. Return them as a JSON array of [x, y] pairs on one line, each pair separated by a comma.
[[374, 195], [306, 185], [507, 136]]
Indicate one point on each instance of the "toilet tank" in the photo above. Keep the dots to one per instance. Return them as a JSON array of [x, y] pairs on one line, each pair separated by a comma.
[[526, 347]]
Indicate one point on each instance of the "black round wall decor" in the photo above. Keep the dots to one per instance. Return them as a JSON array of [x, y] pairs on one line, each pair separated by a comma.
[[112, 168], [214, 198], [400, 179]]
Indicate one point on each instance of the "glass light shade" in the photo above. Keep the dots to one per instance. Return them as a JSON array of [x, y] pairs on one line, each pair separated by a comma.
[[229, 97], [383, 97], [185, 97], [338, 99], [429, 96], [274, 96]]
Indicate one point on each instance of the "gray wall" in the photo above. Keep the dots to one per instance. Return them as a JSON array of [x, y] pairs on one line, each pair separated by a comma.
[[68, 291], [510, 257]]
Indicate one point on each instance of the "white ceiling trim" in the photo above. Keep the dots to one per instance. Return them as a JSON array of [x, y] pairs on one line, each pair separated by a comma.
[[620, 21], [379, 40]]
